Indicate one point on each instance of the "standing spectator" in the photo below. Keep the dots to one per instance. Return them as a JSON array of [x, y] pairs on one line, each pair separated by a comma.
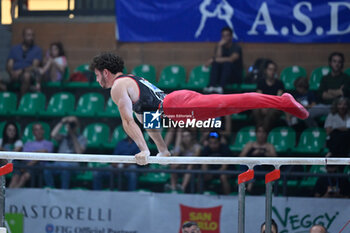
[[72, 142], [125, 147], [272, 86], [274, 227], [190, 227], [226, 64], [259, 148], [333, 85], [338, 187], [318, 229], [23, 60], [217, 149], [185, 145], [303, 95], [55, 63], [338, 128], [10, 140], [21, 176]]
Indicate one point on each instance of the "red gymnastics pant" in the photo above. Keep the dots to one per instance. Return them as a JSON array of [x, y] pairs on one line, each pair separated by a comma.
[[183, 104]]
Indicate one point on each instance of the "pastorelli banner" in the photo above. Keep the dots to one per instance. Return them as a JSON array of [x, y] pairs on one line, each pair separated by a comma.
[[75, 211], [253, 21]]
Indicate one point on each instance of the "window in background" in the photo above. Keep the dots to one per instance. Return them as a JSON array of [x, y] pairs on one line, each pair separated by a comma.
[[34, 5]]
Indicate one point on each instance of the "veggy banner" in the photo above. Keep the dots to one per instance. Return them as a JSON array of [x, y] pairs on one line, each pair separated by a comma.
[[252, 21]]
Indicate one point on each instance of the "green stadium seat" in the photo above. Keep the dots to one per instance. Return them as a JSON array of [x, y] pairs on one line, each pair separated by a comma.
[[81, 68], [111, 110], [28, 131], [118, 135], [310, 181], [283, 139], [96, 134], [145, 71], [60, 104], [8, 103], [199, 78], [59, 83], [312, 141], [86, 176], [171, 77], [243, 136], [239, 87], [2, 125], [316, 77], [31, 104], [290, 74], [247, 87], [89, 105], [239, 116], [347, 71], [157, 177], [346, 169]]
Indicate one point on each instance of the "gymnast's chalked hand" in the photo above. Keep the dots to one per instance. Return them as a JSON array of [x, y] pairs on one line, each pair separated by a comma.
[[142, 157], [164, 154]]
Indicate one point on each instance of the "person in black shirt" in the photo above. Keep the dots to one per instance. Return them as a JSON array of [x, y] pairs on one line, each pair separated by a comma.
[[272, 86], [226, 64], [217, 149]]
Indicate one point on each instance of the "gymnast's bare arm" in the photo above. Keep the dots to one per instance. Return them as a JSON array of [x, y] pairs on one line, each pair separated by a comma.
[[157, 138], [123, 94]]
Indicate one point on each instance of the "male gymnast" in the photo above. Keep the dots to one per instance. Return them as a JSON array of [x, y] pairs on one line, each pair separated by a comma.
[[135, 94]]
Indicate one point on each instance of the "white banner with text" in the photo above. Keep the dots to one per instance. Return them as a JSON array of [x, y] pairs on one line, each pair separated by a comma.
[[77, 211]]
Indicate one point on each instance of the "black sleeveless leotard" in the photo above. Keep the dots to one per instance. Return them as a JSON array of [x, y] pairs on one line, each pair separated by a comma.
[[150, 96]]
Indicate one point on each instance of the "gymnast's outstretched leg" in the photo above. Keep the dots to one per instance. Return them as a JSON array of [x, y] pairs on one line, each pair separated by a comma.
[[182, 103]]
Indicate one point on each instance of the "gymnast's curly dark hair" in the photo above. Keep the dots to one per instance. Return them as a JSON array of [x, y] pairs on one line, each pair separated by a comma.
[[108, 61]]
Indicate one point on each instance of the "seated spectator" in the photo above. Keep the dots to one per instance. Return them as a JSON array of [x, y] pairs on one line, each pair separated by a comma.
[[318, 229], [22, 62], [190, 227], [225, 131], [216, 149], [303, 95], [272, 86], [259, 148], [125, 147], [185, 145], [21, 176], [338, 128], [10, 140], [338, 187], [226, 64], [55, 63], [274, 227], [71, 142], [332, 86]]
